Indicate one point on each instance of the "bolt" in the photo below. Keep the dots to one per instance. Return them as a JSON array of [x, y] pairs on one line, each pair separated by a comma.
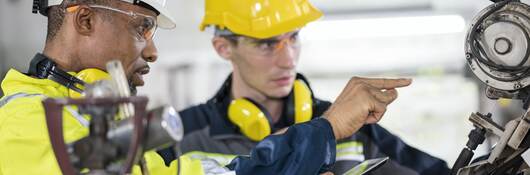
[[502, 45]]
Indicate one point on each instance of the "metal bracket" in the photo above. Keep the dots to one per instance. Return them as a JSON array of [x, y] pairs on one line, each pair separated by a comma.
[[486, 123], [499, 148]]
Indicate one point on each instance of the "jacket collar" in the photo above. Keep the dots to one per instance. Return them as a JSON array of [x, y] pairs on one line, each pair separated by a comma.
[[17, 82], [220, 125]]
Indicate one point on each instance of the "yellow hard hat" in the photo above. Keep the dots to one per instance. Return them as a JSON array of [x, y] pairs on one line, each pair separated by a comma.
[[259, 18]]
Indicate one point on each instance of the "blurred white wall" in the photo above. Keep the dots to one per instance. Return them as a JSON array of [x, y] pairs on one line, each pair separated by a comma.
[[431, 114]]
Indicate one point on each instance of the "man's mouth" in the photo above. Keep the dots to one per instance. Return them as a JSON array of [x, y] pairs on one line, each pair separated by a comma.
[[137, 77], [283, 81]]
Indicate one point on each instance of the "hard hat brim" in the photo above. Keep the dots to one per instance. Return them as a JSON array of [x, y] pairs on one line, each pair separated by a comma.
[[165, 19]]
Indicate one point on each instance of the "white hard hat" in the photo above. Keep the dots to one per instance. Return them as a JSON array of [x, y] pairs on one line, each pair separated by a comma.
[[164, 19]]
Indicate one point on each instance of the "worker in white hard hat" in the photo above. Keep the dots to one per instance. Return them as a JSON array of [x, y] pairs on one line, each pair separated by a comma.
[[82, 36]]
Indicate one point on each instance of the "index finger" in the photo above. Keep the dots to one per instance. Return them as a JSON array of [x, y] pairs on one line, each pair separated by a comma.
[[387, 83], [386, 97]]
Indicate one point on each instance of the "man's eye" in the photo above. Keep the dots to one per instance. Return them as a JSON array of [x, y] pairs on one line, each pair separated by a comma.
[[267, 45], [148, 23], [141, 29], [294, 37], [144, 25]]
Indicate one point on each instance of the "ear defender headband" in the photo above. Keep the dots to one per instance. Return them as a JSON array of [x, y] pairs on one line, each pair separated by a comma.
[[254, 120], [44, 68]]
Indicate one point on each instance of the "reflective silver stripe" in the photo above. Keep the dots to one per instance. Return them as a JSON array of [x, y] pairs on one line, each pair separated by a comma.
[[70, 109], [222, 159], [8, 99], [77, 116], [350, 151], [212, 167]]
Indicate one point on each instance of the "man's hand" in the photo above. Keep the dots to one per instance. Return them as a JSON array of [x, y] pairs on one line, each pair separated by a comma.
[[364, 100]]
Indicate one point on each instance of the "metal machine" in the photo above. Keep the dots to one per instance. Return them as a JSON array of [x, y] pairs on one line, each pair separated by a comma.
[[112, 146], [497, 51]]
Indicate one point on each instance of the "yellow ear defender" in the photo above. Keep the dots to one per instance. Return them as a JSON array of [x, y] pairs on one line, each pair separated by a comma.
[[254, 121], [250, 118], [303, 102], [88, 76]]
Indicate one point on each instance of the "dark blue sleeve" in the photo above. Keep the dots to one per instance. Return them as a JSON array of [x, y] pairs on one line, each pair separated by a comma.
[[307, 148], [403, 153]]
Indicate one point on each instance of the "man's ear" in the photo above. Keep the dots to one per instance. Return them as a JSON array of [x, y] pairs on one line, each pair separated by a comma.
[[84, 20], [223, 47]]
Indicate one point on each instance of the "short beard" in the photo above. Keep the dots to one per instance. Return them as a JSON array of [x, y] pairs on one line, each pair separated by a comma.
[[133, 89]]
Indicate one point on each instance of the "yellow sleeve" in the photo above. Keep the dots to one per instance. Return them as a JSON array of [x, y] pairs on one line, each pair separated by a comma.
[[156, 165], [24, 142], [25, 146]]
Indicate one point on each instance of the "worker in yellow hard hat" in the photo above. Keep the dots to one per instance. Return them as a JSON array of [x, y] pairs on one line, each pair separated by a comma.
[[265, 94], [83, 35]]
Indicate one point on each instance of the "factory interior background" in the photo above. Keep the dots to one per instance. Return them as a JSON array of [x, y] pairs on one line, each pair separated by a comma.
[[420, 39]]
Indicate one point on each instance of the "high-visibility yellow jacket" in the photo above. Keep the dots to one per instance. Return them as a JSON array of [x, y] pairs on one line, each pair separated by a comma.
[[25, 147]]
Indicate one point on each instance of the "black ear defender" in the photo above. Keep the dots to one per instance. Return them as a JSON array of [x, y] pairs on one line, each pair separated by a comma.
[[44, 68]]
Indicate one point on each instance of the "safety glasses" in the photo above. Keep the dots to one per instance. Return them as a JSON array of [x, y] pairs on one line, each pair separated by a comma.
[[270, 46], [144, 25]]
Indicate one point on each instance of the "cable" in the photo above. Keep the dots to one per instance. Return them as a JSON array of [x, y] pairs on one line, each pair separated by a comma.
[[179, 153], [518, 72], [474, 41]]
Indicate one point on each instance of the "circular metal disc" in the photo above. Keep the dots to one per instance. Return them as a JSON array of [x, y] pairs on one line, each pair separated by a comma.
[[503, 24], [516, 37]]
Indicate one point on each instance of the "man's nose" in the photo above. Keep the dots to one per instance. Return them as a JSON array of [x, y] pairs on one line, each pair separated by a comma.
[[150, 53], [287, 56]]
